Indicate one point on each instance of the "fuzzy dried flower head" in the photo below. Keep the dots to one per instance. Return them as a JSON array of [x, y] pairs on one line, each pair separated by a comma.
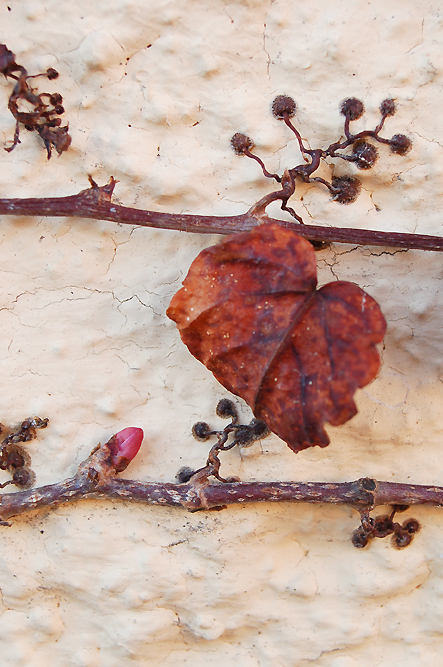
[[400, 144], [365, 154], [241, 143], [387, 107], [283, 104], [352, 107], [346, 189]]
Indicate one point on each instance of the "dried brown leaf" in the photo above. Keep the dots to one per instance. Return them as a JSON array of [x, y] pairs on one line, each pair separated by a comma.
[[250, 311]]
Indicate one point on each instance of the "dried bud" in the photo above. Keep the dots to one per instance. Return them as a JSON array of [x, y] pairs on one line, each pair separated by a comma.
[[283, 104], [387, 107], [59, 109], [241, 143], [352, 108], [226, 409], [124, 446], [201, 431], [365, 154], [400, 144], [346, 189]]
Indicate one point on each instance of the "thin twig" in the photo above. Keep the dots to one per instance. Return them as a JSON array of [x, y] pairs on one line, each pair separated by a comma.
[[95, 203]]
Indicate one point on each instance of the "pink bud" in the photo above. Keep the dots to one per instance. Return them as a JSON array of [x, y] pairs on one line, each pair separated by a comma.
[[124, 446]]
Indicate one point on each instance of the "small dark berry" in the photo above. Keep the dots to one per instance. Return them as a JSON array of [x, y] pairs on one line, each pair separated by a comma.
[[226, 409], [24, 478], [244, 436], [56, 98], [283, 104], [59, 109], [259, 428], [352, 108], [201, 431], [241, 143], [400, 508], [365, 154], [52, 73], [387, 107], [360, 538], [15, 457], [382, 526], [347, 189], [184, 475], [411, 526], [400, 144], [402, 539]]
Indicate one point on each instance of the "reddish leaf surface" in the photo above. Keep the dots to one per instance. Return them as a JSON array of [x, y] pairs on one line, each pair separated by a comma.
[[250, 311]]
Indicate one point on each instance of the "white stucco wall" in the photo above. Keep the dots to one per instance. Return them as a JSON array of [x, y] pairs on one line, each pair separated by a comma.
[[153, 92]]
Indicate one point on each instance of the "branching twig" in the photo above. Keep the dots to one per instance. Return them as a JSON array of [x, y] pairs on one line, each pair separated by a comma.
[[96, 477], [95, 203], [94, 480]]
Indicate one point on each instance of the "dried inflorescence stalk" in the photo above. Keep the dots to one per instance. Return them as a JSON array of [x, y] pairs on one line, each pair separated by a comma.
[[344, 189], [45, 116]]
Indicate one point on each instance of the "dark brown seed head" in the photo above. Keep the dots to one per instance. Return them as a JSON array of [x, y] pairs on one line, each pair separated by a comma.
[[352, 108], [346, 189], [402, 539], [24, 478], [226, 409], [259, 428], [283, 104], [241, 143], [360, 538], [201, 431], [56, 98], [387, 107], [184, 475], [411, 526], [365, 154], [52, 73], [400, 144], [244, 436]]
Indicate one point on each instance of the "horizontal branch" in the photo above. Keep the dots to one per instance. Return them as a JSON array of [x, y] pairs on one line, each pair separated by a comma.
[[89, 482], [95, 203], [97, 477]]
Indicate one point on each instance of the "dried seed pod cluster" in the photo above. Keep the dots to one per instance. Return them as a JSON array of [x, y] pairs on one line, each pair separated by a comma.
[[14, 458], [343, 189], [45, 116], [384, 525]]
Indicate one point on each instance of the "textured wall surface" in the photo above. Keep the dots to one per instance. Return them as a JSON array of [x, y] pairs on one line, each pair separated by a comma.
[[153, 92]]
